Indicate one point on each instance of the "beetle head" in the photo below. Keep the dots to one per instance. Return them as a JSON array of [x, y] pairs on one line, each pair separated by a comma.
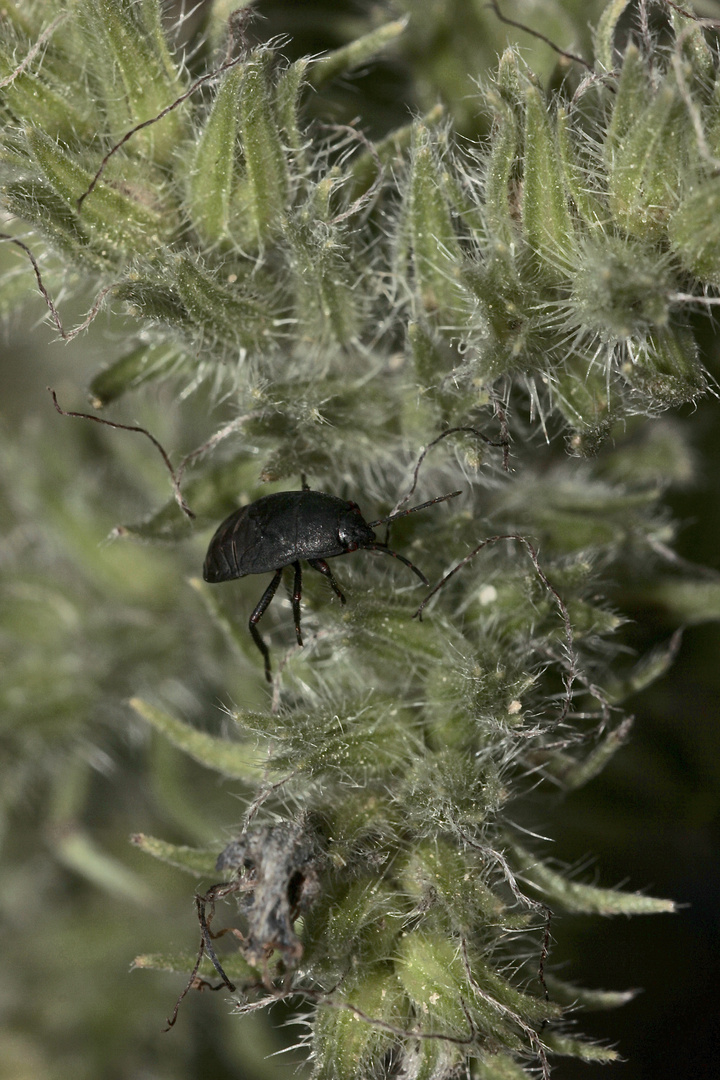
[[353, 531]]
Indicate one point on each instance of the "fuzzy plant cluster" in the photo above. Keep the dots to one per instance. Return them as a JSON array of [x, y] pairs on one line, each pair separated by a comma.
[[344, 304]]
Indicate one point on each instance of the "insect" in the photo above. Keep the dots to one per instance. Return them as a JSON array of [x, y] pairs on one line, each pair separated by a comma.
[[281, 529]]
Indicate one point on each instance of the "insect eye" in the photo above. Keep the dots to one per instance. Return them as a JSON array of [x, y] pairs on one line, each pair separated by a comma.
[[352, 546]]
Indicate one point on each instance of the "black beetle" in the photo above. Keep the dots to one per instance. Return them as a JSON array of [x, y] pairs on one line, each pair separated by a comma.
[[281, 529]]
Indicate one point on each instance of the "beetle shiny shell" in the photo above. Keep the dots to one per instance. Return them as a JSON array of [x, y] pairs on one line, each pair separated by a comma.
[[281, 529], [278, 529]]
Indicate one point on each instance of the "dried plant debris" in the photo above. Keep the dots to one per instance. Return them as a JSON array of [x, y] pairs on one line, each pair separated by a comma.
[[275, 870]]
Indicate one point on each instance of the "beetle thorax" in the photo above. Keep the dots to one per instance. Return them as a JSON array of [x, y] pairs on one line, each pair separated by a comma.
[[353, 531]]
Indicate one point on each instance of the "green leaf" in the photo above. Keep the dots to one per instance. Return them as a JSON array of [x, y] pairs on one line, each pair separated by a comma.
[[668, 372], [693, 49], [646, 152], [650, 667], [587, 402], [500, 1067], [140, 365], [37, 204], [575, 897], [437, 257], [234, 965], [388, 151], [345, 1045], [632, 97], [591, 207], [604, 36], [686, 600], [225, 315], [439, 871], [546, 217], [232, 759], [695, 231], [214, 168], [574, 773], [577, 1048], [148, 298], [432, 972], [200, 862], [569, 995], [433, 1059], [77, 850], [42, 103], [356, 53], [109, 217], [288, 88], [267, 188], [501, 161], [134, 71], [325, 306]]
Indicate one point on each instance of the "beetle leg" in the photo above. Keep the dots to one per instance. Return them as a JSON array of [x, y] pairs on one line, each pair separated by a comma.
[[296, 596], [257, 616], [207, 935], [322, 566]]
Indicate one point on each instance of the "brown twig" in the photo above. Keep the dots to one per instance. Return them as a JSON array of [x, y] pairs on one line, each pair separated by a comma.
[[143, 431], [66, 335], [536, 33]]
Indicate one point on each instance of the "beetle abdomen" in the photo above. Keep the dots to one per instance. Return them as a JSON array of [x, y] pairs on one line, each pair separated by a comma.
[[224, 555]]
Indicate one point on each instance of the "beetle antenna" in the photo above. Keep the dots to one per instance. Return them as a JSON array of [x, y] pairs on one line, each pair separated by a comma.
[[504, 443], [413, 509], [131, 427], [385, 550]]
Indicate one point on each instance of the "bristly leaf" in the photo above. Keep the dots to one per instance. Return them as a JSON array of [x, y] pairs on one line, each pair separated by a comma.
[[229, 759], [604, 36], [436, 254], [266, 190], [579, 996], [234, 965], [215, 166], [199, 862], [358, 52], [583, 899], [578, 1048], [133, 70], [546, 217]]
